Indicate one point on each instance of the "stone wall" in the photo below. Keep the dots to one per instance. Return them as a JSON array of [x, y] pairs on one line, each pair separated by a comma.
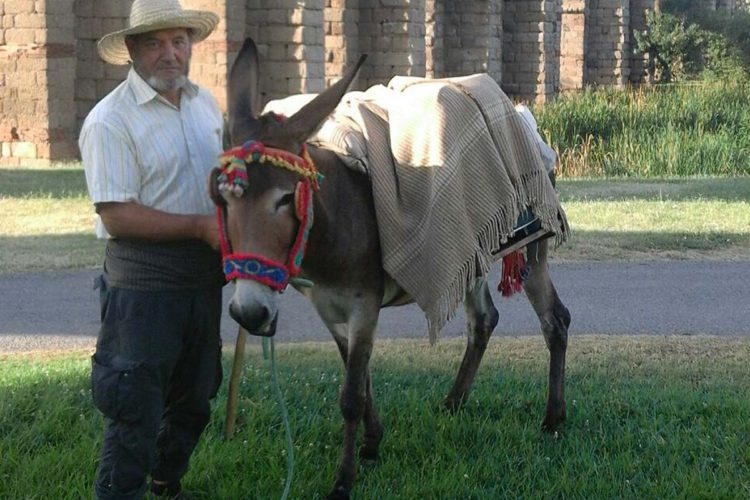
[[51, 75], [37, 80], [573, 38], [638, 63], [471, 39], [608, 44], [531, 48]]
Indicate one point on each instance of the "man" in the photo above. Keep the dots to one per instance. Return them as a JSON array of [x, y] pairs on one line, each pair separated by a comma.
[[147, 148]]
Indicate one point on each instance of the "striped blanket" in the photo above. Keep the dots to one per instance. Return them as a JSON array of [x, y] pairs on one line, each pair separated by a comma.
[[452, 166]]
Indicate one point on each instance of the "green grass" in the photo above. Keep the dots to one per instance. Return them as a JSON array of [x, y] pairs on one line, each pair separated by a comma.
[[648, 417], [683, 130], [46, 219], [697, 218]]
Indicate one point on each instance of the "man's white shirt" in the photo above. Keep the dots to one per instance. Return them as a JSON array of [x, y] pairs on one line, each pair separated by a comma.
[[137, 146]]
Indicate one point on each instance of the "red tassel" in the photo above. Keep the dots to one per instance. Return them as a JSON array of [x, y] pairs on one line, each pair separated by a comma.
[[513, 275]]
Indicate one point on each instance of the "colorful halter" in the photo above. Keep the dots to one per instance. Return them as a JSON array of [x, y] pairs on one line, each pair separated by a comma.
[[233, 179]]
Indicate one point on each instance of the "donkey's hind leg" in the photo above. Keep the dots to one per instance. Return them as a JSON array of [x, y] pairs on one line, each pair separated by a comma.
[[481, 319], [555, 319]]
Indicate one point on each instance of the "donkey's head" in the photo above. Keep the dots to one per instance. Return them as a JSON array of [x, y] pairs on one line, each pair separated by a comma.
[[264, 189]]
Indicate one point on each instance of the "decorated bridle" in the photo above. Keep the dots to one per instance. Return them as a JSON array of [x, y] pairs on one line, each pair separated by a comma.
[[232, 179]]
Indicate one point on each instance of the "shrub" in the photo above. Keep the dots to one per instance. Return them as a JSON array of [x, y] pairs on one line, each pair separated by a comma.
[[699, 44]]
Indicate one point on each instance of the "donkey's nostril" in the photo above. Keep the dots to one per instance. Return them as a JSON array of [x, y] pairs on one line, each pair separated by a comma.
[[251, 319], [233, 312]]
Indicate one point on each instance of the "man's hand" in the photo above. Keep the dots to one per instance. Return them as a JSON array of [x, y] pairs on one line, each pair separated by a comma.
[[210, 230]]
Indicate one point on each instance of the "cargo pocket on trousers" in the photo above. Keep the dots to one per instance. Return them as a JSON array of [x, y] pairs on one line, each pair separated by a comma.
[[115, 386]]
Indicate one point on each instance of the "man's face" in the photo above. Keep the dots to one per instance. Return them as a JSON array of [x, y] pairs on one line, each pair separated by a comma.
[[162, 58]]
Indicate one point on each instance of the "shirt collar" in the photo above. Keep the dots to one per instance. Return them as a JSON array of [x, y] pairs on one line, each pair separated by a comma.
[[144, 93]]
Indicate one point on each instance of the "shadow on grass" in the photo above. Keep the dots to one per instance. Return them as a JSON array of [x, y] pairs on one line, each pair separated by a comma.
[[645, 246], [647, 240], [47, 183], [70, 251]]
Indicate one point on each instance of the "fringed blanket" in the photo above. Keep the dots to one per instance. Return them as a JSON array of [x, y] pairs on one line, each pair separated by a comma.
[[452, 167]]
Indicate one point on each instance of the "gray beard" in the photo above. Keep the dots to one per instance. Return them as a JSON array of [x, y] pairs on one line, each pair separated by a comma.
[[161, 85]]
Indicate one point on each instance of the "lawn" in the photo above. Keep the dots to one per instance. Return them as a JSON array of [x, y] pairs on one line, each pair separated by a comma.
[[46, 219], [648, 417]]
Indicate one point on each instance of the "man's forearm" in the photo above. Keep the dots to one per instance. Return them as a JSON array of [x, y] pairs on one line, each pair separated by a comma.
[[132, 220]]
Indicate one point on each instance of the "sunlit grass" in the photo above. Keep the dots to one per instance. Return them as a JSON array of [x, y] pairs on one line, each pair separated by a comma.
[[46, 216], [648, 417], [698, 218], [51, 226]]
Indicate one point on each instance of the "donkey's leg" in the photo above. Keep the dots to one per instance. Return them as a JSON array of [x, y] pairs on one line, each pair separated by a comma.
[[555, 319], [481, 319], [355, 341], [352, 402], [373, 429], [373, 432]]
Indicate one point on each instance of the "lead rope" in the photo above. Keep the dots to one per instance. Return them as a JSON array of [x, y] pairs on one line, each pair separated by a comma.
[[284, 414]]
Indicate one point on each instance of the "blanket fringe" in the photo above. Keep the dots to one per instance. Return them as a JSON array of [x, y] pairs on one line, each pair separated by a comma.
[[494, 234]]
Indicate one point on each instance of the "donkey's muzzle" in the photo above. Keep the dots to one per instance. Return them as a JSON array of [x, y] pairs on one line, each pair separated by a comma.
[[257, 322]]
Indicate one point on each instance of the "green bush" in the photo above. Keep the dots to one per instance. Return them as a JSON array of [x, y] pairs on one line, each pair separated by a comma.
[[680, 49], [672, 47], [726, 34]]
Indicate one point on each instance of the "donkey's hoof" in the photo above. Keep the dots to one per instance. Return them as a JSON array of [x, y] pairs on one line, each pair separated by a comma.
[[553, 420], [338, 493], [368, 456], [453, 404]]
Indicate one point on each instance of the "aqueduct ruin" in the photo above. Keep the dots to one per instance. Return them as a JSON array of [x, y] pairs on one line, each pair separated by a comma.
[[51, 76]]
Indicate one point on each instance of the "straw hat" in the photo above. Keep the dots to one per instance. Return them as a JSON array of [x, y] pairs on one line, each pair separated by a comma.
[[152, 15]]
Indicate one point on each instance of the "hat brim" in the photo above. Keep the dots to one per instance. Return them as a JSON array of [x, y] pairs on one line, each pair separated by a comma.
[[112, 47]]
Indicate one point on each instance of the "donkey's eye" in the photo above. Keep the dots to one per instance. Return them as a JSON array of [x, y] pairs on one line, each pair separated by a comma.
[[287, 199]]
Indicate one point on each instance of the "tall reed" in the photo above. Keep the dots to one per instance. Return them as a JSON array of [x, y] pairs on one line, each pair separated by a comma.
[[671, 130]]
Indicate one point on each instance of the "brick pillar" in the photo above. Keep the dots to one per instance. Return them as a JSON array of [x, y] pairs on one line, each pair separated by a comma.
[[209, 66], [392, 32], [638, 62], [94, 77], [531, 49], [37, 68], [434, 38], [573, 44], [608, 45], [470, 37], [341, 19], [291, 44]]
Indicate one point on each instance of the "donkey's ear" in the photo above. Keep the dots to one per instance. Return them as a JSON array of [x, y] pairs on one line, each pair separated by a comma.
[[304, 122], [243, 94], [213, 187]]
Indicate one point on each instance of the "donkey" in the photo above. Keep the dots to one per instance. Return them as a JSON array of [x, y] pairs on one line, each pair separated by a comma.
[[266, 214]]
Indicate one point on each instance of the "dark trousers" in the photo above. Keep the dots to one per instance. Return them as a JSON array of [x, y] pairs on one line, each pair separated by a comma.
[[156, 366]]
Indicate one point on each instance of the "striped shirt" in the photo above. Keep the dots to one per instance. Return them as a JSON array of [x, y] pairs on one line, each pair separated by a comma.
[[136, 146]]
